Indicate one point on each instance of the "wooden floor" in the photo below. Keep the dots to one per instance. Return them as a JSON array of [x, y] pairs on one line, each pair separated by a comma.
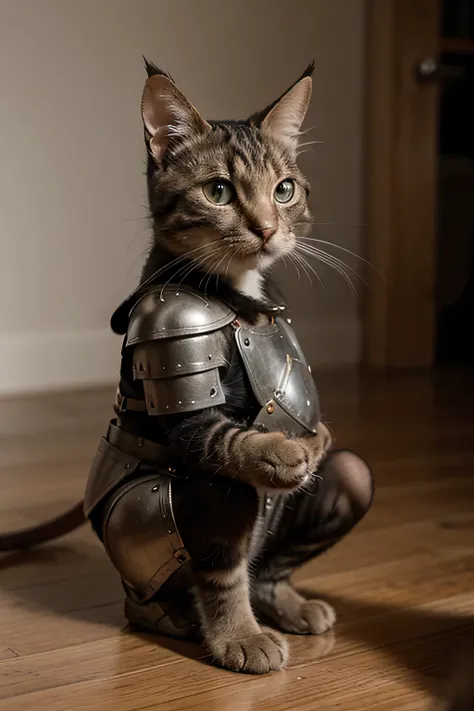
[[402, 583]]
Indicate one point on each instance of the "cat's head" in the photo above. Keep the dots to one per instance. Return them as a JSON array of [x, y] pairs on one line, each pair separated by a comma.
[[227, 193]]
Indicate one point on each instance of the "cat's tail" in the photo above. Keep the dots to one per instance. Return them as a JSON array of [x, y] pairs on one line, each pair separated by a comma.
[[43, 532]]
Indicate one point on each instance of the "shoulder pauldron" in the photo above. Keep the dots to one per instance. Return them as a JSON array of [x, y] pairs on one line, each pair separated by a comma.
[[178, 349]]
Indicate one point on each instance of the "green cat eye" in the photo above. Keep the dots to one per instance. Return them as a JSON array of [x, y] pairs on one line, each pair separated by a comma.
[[284, 191], [219, 191]]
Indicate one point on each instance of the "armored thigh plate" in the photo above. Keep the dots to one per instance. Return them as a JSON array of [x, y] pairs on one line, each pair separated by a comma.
[[140, 534], [280, 378]]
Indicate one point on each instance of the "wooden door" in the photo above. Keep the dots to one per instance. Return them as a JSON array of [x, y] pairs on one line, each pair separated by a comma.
[[402, 138]]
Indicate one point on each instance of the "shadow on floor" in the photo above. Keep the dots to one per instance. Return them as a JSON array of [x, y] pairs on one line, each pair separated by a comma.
[[79, 583], [432, 646]]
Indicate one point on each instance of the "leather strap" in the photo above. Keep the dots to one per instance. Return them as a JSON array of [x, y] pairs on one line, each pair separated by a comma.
[[143, 449]]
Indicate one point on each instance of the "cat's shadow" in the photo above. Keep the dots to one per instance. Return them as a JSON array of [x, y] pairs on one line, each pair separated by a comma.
[[429, 644], [79, 583], [89, 590]]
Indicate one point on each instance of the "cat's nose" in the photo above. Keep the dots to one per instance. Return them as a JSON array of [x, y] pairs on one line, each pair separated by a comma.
[[267, 232]]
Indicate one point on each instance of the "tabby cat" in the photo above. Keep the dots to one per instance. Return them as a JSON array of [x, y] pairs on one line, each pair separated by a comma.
[[227, 199]]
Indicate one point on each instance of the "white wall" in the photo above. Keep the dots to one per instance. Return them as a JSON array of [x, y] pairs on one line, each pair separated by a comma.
[[71, 158]]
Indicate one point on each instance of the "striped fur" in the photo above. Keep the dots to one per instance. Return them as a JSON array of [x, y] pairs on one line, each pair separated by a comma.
[[221, 241], [227, 250]]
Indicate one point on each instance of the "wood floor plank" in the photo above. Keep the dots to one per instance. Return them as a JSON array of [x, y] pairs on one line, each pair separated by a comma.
[[329, 679], [402, 583], [96, 660]]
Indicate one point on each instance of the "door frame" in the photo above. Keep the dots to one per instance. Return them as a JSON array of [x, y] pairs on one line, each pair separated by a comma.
[[398, 312]]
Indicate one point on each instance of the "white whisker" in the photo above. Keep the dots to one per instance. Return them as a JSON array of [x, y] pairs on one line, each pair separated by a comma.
[[232, 255], [327, 255], [309, 143], [295, 264], [177, 260], [305, 261], [326, 259], [343, 249], [186, 266], [212, 271]]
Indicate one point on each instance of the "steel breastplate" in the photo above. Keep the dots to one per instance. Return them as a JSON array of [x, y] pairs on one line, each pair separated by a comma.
[[280, 377]]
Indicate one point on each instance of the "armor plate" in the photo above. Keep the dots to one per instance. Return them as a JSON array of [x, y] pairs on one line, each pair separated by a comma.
[[280, 378], [178, 349], [142, 541], [171, 311], [179, 345]]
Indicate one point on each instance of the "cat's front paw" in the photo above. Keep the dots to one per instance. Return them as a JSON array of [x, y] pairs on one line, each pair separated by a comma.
[[256, 654], [286, 463]]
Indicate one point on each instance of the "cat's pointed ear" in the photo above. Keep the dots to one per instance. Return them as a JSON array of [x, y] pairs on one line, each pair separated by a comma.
[[167, 113], [284, 117]]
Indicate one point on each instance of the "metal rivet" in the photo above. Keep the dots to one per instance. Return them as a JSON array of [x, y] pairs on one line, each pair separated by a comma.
[[171, 469], [127, 466], [170, 531], [213, 392], [193, 402], [270, 408], [178, 365], [179, 402], [289, 320], [177, 293], [309, 368], [210, 356], [162, 299], [163, 367], [308, 403], [155, 488], [167, 407], [247, 342]]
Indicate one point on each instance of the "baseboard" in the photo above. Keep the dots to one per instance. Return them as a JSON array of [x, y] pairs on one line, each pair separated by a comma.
[[35, 362], [38, 362]]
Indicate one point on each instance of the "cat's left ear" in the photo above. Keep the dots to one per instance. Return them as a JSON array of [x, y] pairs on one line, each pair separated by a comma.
[[284, 117], [167, 113]]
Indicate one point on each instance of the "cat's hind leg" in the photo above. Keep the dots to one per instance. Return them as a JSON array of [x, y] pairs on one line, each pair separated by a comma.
[[302, 526], [215, 518]]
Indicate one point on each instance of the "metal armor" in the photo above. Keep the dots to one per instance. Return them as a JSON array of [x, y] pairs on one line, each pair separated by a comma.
[[174, 357]]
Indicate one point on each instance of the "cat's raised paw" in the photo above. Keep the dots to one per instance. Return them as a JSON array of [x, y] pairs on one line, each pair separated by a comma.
[[257, 654]]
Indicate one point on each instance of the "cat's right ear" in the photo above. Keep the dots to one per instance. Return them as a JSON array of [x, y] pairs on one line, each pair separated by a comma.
[[167, 114]]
